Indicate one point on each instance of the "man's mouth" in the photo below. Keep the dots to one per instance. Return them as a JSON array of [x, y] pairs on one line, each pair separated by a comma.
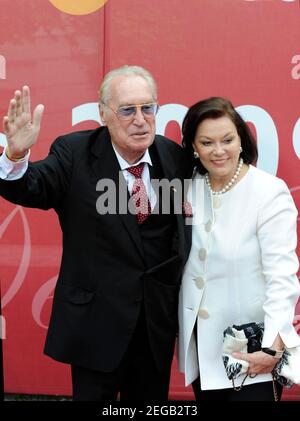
[[140, 134]]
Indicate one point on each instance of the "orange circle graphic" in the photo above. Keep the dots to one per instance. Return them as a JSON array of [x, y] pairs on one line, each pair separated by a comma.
[[78, 7]]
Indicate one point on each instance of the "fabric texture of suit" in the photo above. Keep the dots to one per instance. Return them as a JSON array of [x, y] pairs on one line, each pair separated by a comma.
[[103, 277]]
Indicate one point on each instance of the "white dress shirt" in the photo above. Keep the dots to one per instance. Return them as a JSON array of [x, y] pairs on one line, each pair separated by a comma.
[[10, 170], [130, 178]]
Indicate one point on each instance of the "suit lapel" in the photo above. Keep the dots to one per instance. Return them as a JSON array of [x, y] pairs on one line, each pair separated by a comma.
[[170, 173], [106, 165]]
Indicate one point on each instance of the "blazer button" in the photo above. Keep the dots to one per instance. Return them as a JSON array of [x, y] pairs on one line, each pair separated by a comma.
[[208, 226], [202, 254], [216, 202], [199, 281], [203, 313]]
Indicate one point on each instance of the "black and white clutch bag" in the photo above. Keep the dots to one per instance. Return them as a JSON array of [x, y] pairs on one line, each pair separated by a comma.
[[243, 338], [248, 338]]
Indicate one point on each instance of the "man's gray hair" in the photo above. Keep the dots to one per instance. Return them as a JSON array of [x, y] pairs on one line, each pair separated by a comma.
[[104, 91]]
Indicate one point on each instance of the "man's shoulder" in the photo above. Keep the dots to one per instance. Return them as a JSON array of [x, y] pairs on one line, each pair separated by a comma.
[[173, 155], [167, 143], [168, 147]]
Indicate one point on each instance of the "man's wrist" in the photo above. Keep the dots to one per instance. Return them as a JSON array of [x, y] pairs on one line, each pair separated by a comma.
[[14, 158]]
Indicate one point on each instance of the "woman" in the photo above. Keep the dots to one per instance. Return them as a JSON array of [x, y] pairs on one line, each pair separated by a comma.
[[242, 265]]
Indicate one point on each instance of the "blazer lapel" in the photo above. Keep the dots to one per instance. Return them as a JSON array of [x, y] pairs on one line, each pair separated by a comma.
[[106, 165]]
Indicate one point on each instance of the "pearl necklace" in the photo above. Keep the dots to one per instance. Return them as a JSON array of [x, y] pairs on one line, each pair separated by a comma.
[[228, 185]]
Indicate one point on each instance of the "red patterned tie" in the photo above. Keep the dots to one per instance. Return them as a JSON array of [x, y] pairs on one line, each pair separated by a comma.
[[141, 201]]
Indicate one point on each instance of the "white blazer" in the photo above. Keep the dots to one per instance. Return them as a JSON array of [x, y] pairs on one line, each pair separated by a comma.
[[242, 268]]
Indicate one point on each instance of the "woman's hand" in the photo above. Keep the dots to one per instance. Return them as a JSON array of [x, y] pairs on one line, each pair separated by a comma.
[[20, 129], [259, 362]]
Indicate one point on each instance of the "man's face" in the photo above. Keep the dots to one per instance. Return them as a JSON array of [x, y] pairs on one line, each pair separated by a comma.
[[130, 137]]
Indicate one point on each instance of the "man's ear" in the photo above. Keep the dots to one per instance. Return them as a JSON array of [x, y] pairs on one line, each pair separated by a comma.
[[102, 115]]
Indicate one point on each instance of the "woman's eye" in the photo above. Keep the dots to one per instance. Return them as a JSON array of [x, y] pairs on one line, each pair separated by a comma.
[[206, 143], [228, 140]]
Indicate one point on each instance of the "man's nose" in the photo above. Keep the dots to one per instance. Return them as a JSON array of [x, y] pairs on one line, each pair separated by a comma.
[[139, 117]]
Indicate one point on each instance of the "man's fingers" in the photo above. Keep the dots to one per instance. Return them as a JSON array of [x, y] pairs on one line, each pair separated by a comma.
[[5, 124], [19, 111], [11, 113], [18, 100], [26, 99], [37, 115], [19, 104]]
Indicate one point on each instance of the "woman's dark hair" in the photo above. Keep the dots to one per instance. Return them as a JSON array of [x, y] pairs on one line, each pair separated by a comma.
[[215, 107]]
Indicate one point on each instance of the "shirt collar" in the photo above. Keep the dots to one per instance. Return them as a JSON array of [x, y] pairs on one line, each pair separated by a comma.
[[124, 164]]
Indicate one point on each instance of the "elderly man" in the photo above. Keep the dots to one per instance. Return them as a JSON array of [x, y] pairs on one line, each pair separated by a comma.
[[114, 315]]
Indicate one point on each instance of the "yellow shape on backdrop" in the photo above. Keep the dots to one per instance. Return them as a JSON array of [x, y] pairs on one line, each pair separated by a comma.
[[78, 7]]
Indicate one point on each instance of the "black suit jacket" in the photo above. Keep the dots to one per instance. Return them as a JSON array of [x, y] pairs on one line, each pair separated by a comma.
[[103, 278]]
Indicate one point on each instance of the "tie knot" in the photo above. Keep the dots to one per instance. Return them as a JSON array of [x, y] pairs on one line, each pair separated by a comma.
[[136, 170]]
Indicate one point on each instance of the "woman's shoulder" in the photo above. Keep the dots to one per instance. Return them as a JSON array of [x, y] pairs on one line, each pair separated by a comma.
[[265, 180], [269, 190]]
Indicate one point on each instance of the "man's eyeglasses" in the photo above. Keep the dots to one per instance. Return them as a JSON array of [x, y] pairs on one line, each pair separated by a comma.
[[127, 112]]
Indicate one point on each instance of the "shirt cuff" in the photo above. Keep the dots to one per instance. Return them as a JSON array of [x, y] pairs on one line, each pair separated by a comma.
[[13, 170]]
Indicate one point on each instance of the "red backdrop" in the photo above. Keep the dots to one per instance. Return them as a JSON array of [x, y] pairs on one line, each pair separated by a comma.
[[246, 50]]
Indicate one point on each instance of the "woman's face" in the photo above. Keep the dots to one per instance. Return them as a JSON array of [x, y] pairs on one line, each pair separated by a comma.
[[218, 145]]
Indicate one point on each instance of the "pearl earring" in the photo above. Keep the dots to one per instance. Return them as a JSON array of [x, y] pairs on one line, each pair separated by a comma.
[[196, 155], [241, 149]]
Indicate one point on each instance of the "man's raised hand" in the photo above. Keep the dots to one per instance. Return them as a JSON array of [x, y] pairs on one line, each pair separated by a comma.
[[20, 128]]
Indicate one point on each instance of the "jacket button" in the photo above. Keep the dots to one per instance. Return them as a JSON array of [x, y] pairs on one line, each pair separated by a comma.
[[202, 254], [199, 281], [216, 202], [208, 226], [203, 313]]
